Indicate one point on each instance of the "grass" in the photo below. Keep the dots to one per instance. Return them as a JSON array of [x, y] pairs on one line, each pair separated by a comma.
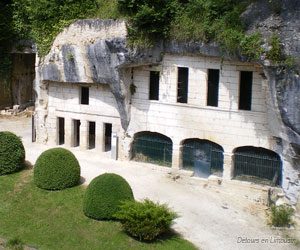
[[54, 220]]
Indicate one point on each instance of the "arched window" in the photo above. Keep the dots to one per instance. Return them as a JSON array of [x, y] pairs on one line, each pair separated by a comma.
[[152, 147], [258, 165], [203, 157]]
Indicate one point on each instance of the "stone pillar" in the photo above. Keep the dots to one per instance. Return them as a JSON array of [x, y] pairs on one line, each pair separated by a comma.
[[228, 166], [177, 156], [84, 135], [69, 135], [52, 130], [100, 140]]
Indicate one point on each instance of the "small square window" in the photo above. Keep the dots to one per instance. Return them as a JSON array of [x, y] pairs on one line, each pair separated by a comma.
[[84, 96]]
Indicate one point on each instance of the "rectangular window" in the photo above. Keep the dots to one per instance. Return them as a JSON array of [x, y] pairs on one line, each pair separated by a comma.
[[92, 134], [61, 131], [107, 133], [76, 133], [154, 85], [213, 87], [245, 96], [84, 99], [182, 87]]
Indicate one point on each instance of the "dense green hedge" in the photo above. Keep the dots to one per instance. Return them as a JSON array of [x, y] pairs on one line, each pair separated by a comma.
[[104, 195], [145, 220], [56, 169], [12, 153]]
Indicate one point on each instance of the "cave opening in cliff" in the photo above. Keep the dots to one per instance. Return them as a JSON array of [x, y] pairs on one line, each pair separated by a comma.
[[152, 147], [257, 165], [20, 90]]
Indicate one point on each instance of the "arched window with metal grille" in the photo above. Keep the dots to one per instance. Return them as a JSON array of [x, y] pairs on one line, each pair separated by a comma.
[[203, 157], [257, 165], [152, 147]]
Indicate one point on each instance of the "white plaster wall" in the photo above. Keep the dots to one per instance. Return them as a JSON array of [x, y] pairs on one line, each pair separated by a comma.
[[225, 124], [64, 101]]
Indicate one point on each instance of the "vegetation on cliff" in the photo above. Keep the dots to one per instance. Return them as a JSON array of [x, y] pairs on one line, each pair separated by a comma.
[[182, 20]]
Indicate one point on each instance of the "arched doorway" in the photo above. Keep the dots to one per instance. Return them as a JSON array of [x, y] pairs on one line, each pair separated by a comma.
[[203, 157], [257, 165], [152, 147]]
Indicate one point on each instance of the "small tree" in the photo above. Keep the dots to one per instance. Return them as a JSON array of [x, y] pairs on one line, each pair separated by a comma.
[[56, 169], [12, 153], [104, 195], [145, 220]]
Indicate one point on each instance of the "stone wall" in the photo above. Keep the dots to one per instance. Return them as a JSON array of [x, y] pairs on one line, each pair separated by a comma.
[[100, 57], [23, 75]]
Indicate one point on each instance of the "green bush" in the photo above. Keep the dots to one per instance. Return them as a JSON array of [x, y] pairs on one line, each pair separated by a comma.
[[15, 244], [12, 153], [56, 169], [104, 195], [281, 215], [145, 220]]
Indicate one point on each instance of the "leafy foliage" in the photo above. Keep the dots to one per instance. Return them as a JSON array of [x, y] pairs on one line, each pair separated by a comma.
[[275, 54], [56, 169], [6, 40], [43, 20], [281, 216], [15, 244], [104, 195], [149, 19], [145, 220], [12, 153]]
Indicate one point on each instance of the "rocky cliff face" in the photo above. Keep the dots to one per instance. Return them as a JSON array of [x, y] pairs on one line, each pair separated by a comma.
[[96, 51], [281, 18]]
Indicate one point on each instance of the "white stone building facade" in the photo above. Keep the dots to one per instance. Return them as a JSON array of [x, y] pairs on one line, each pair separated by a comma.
[[183, 97]]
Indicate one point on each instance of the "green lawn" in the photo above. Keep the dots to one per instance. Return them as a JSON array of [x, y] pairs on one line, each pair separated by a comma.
[[54, 220]]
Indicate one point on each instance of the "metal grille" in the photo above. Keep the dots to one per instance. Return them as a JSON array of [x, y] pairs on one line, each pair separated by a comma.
[[257, 167], [203, 151], [154, 148]]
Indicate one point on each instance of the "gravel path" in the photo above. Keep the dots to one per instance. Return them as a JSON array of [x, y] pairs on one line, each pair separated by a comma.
[[210, 218]]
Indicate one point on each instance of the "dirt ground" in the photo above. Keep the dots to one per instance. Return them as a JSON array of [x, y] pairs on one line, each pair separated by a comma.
[[209, 217]]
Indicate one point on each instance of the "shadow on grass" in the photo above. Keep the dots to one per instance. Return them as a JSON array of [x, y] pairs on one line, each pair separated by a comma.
[[27, 165], [82, 180], [170, 235]]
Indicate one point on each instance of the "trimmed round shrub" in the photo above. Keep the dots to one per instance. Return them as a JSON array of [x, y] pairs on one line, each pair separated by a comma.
[[12, 153], [56, 169], [145, 220], [104, 196]]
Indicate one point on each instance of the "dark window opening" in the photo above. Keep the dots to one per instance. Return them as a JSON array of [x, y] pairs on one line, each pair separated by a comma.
[[154, 85], [257, 165], [61, 131], [182, 88], [76, 133], [246, 78], [107, 132], [84, 95], [92, 135], [203, 157], [213, 87], [152, 147]]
